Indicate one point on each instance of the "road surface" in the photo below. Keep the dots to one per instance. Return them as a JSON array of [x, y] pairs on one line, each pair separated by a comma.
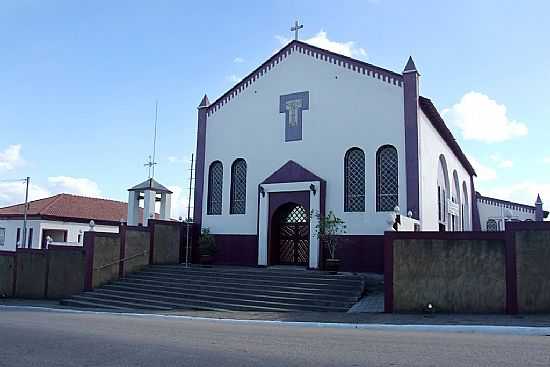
[[51, 338]]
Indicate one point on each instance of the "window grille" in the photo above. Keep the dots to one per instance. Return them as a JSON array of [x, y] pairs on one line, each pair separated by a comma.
[[354, 181], [215, 188], [387, 179], [238, 187]]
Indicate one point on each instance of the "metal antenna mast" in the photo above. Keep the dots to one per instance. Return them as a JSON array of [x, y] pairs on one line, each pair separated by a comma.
[[189, 221], [155, 137]]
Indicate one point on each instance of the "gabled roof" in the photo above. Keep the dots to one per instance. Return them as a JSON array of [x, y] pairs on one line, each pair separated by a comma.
[[437, 121], [294, 46], [291, 172], [71, 207], [151, 184]]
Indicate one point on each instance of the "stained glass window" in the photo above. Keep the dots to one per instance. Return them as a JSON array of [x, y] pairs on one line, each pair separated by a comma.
[[215, 188], [238, 187], [354, 180], [387, 179]]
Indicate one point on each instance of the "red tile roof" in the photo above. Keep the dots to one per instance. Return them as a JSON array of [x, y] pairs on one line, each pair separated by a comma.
[[68, 206]]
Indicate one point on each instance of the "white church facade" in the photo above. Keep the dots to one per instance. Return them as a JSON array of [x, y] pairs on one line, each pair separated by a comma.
[[314, 131]]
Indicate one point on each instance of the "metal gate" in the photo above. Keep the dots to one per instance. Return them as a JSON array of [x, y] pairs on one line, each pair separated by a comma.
[[294, 237]]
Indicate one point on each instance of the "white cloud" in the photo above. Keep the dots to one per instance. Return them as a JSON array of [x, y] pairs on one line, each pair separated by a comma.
[[501, 162], [524, 192], [546, 160], [321, 40], [484, 173], [184, 160], [482, 118], [74, 185], [11, 158], [12, 193], [238, 60], [179, 202], [507, 163], [233, 78]]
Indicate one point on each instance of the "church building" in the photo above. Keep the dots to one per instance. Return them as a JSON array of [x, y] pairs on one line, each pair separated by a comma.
[[312, 131]]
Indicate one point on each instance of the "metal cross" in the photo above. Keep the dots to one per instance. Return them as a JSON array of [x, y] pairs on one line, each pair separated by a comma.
[[297, 26], [150, 164]]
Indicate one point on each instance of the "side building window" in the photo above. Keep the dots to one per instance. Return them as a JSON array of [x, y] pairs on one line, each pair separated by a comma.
[[387, 179], [215, 189], [29, 242], [238, 187], [354, 180], [18, 238], [492, 225], [2, 236]]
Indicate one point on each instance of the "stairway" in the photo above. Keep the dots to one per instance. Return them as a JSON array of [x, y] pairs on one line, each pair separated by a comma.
[[222, 288]]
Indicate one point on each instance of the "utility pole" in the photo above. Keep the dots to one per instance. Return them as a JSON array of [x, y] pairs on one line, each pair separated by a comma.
[[28, 179], [189, 222]]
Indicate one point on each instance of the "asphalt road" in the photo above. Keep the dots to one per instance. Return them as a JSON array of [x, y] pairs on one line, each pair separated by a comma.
[[44, 338]]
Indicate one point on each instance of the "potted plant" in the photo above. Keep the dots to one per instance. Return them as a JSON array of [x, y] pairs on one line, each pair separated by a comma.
[[207, 247], [329, 229]]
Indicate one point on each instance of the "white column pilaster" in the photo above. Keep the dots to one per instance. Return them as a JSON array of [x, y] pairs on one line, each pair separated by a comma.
[[149, 206], [165, 206], [133, 208]]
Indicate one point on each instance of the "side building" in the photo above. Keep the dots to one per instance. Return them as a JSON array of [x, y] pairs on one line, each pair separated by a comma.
[[61, 218], [494, 213]]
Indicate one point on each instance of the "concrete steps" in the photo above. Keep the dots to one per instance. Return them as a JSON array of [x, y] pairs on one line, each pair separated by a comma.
[[173, 287]]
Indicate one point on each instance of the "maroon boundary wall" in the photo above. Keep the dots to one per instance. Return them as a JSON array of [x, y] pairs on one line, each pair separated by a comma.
[[61, 271], [483, 272]]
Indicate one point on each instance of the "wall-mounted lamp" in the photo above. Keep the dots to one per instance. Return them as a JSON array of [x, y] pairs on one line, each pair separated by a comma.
[[313, 189], [262, 191]]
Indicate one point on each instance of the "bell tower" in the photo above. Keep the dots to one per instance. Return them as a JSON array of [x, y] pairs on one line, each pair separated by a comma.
[[151, 192]]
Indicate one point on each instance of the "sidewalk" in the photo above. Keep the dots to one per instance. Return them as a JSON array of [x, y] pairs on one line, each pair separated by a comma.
[[538, 320]]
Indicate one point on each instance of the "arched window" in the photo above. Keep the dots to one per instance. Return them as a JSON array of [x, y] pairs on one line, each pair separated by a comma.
[[238, 187], [387, 179], [215, 188], [443, 194], [492, 225], [354, 180]]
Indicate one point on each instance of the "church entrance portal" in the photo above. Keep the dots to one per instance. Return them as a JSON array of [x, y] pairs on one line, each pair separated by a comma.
[[290, 235]]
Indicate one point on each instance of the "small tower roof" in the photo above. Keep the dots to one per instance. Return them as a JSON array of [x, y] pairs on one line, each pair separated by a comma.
[[539, 200], [151, 184], [410, 66], [204, 102]]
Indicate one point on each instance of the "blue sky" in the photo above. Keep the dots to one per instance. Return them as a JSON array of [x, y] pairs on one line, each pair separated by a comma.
[[79, 80]]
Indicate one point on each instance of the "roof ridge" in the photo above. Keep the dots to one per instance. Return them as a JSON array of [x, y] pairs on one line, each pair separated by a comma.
[[504, 201], [45, 209], [92, 198], [250, 77], [450, 139], [21, 204]]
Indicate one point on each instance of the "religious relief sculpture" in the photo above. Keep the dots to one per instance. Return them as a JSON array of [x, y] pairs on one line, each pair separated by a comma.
[[292, 106]]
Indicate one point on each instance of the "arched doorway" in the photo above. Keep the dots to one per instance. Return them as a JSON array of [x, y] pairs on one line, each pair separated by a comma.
[[290, 235]]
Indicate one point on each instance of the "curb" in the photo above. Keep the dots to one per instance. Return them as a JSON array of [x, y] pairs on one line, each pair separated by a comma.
[[461, 329]]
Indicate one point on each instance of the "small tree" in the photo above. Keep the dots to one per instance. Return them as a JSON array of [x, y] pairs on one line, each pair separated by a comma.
[[328, 229], [207, 243]]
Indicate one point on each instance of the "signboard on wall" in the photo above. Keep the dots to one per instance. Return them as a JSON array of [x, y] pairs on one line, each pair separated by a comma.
[[454, 208]]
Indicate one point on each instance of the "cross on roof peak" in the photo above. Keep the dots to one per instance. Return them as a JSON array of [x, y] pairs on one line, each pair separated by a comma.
[[295, 28]]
